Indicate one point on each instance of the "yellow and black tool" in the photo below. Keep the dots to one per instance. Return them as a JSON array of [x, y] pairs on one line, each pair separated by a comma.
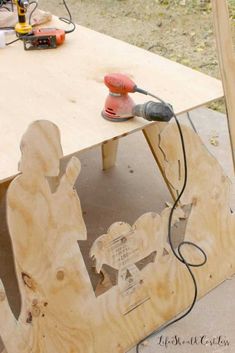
[[22, 27]]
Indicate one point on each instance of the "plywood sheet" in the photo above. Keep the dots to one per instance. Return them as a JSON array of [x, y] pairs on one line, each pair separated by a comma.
[[65, 86], [60, 310]]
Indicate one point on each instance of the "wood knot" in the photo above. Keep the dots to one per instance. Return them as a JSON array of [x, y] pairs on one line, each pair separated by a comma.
[[60, 275], [35, 302], [28, 281], [36, 311], [29, 318], [165, 252], [119, 348], [124, 240]]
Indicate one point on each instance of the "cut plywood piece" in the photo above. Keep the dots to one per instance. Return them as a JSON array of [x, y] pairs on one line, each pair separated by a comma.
[[71, 92], [212, 128], [47, 262], [60, 311], [226, 61]]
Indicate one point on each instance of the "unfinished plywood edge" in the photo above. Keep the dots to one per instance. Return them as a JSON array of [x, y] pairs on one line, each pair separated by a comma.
[[60, 311], [226, 62], [152, 136]]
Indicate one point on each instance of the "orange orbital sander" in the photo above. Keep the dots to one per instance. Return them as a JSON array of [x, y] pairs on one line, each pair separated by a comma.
[[119, 106]]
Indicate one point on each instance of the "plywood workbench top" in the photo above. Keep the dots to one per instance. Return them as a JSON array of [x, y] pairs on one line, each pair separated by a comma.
[[65, 86]]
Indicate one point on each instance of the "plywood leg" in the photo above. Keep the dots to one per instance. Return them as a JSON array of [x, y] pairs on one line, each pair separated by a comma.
[[109, 153], [152, 135]]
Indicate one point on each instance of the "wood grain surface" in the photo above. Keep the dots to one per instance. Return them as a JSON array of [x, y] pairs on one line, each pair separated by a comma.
[[66, 86]]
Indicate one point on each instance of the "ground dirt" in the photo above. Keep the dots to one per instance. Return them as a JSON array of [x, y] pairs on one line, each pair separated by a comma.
[[180, 30]]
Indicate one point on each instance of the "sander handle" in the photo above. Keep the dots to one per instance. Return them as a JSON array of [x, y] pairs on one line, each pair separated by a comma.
[[154, 111], [119, 84]]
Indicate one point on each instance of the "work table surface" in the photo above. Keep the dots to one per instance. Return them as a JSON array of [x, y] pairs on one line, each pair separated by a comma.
[[65, 85]]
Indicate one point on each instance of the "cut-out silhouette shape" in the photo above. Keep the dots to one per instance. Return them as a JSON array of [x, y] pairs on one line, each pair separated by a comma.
[[59, 310], [44, 229]]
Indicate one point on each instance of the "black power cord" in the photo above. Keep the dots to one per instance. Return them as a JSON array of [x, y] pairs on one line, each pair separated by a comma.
[[7, 28], [177, 252], [34, 9], [4, 7], [4, 2], [13, 41], [68, 20]]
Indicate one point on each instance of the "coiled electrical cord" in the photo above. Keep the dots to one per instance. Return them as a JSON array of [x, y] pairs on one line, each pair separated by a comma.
[[178, 253]]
